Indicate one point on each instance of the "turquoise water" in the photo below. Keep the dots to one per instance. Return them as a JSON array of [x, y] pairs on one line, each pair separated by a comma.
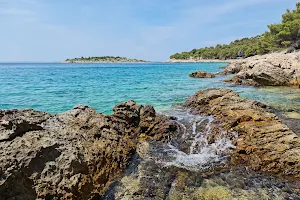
[[58, 87]]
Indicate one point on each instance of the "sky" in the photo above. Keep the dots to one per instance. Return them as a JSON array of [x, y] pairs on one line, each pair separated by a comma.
[[54, 30]]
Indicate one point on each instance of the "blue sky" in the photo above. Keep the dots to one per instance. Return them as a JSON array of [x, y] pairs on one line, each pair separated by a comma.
[[53, 30]]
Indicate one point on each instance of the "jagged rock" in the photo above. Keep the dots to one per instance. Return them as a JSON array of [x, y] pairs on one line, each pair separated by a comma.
[[81, 154], [264, 142], [234, 67], [28, 120], [73, 155], [146, 179], [202, 74], [276, 69]]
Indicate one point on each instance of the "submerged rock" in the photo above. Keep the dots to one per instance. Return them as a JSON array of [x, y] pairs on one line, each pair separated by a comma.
[[73, 155], [202, 74], [292, 115], [264, 143], [276, 69]]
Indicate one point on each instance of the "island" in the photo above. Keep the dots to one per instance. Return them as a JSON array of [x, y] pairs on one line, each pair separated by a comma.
[[103, 59]]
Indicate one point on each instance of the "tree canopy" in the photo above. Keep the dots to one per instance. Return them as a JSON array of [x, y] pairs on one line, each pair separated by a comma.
[[280, 36]]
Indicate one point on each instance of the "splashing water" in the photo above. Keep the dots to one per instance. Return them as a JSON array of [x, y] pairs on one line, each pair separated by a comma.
[[201, 146]]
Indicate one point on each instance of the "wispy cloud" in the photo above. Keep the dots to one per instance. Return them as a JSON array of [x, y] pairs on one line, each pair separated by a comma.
[[147, 29], [17, 12]]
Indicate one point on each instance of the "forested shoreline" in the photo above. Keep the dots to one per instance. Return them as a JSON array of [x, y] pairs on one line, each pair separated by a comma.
[[285, 35]]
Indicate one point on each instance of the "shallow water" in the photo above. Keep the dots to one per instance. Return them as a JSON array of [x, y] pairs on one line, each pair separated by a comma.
[[58, 87]]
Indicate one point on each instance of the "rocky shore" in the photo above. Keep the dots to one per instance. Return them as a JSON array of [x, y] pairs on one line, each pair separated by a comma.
[[275, 69], [74, 155], [264, 142], [196, 60], [136, 153]]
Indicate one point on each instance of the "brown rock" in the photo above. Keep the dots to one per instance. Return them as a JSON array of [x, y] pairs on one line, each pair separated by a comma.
[[73, 155], [239, 81], [264, 142], [202, 74]]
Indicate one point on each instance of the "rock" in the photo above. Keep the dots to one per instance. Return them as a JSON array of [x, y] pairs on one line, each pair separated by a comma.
[[291, 49], [234, 67], [239, 81], [223, 73], [202, 74], [276, 69], [28, 120], [292, 115], [73, 155], [264, 143], [81, 154], [147, 179]]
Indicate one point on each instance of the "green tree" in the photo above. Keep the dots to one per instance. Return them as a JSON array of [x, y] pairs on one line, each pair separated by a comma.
[[279, 36], [287, 32]]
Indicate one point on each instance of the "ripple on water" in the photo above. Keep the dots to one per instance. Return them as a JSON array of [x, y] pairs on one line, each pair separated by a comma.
[[101, 86]]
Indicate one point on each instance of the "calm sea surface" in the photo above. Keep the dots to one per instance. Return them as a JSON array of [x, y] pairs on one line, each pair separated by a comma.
[[58, 87]]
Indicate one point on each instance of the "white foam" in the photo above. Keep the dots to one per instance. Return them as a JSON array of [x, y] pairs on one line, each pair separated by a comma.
[[201, 154]]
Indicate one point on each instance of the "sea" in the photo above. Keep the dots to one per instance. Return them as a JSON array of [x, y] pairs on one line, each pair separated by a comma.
[[56, 87]]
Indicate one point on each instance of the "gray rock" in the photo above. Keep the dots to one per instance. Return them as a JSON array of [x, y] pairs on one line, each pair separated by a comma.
[[276, 69], [264, 142], [73, 155]]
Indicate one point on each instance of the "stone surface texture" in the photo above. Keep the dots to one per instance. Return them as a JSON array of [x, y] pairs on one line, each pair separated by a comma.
[[275, 69], [264, 143], [73, 155]]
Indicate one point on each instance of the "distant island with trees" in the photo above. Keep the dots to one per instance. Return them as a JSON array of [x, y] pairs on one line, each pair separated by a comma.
[[285, 35], [103, 59]]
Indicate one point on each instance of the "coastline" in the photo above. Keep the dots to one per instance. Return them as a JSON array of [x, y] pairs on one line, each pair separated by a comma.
[[138, 134], [218, 121], [274, 69], [201, 61]]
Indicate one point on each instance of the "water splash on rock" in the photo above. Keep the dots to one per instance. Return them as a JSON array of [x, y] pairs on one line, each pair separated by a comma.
[[201, 145]]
